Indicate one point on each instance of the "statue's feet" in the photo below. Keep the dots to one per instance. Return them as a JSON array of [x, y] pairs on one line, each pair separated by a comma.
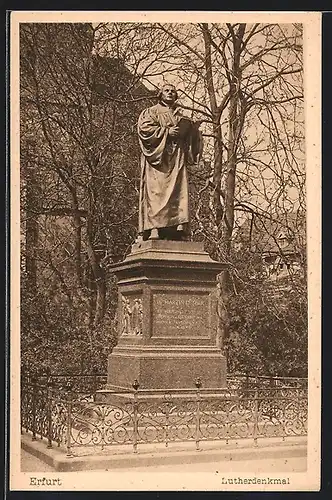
[[154, 234], [139, 240]]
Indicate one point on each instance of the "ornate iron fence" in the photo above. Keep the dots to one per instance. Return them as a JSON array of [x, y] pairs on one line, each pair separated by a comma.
[[247, 381], [68, 414]]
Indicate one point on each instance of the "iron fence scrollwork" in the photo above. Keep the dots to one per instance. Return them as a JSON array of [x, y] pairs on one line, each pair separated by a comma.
[[59, 413]]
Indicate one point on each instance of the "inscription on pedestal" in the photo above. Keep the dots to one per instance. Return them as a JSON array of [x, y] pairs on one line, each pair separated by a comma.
[[181, 314]]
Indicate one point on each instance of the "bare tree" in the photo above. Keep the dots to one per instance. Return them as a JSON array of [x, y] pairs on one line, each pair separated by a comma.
[[80, 171], [245, 83]]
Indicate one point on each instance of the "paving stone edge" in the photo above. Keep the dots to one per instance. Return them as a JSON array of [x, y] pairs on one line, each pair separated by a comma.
[[60, 462]]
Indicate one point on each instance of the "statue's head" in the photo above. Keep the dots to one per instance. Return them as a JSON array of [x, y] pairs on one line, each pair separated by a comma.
[[167, 94]]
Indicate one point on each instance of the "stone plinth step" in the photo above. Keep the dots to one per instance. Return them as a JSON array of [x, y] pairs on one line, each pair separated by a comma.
[[151, 455]]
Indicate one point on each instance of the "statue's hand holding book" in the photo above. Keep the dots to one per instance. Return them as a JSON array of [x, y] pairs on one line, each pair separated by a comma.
[[174, 131]]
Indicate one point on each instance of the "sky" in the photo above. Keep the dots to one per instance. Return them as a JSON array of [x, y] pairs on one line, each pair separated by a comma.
[[255, 131]]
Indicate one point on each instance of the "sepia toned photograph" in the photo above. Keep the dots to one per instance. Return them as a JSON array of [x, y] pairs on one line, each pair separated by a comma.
[[165, 251]]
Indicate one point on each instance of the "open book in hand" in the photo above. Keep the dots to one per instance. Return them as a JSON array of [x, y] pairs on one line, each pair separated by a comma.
[[184, 125]]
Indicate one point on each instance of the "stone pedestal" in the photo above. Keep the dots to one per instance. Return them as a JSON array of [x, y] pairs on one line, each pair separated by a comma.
[[167, 319]]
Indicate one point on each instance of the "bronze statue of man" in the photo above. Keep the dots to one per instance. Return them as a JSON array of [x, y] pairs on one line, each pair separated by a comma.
[[169, 142]]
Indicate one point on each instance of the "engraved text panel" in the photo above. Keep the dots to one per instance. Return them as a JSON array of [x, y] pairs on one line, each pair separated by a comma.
[[181, 314]]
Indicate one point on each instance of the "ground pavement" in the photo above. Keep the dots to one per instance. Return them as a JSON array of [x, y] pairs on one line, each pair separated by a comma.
[[29, 463]]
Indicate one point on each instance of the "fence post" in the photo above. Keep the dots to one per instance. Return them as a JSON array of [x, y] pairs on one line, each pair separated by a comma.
[[23, 399], [69, 418], [34, 395], [135, 385], [49, 409], [198, 384], [256, 412], [167, 411], [282, 401], [94, 372], [298, 400]]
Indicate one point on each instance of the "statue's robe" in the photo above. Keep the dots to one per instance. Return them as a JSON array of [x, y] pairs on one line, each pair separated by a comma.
[[164, 196]]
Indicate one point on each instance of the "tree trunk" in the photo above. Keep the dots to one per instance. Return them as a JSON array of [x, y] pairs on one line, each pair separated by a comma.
[[227, 224], [32, 202], [78, 248], [217, 137], [99, 278], [217, 203]]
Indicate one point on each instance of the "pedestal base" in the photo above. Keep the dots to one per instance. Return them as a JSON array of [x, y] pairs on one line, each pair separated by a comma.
[[167, 319], [165, 367]]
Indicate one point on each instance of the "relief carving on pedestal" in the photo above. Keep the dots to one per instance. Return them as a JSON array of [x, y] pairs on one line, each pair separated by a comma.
[[132, 316]]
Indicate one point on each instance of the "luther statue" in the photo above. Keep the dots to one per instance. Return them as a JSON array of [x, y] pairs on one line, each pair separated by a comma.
[[169, 142]]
